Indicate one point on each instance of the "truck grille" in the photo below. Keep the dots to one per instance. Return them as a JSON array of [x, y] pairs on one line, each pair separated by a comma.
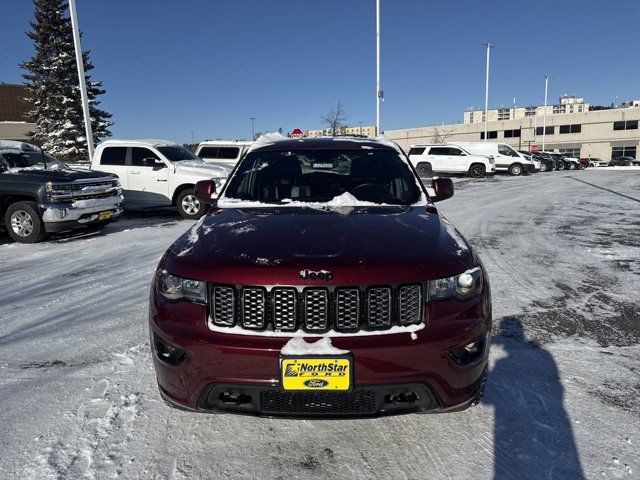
[[84, 190], [316, 309]]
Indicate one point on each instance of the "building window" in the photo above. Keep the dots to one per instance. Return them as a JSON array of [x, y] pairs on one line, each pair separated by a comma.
[[559, 109], [576, 128], [548, 130], [504, 114], [626, 125], [511, 133], [570, 152], [530, 112], [623, 152], [491, 134]]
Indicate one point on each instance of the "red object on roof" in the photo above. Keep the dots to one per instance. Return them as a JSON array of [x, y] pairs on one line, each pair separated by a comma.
[[297, 133]]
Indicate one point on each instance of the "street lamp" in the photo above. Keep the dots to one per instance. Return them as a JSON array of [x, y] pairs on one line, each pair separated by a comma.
[[81, 79], [253, 135], [486, 92], [544, 117], [379, 93]]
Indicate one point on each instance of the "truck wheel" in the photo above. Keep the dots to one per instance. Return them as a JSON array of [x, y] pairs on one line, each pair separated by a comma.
[[477, 170], [515, 169], [23, 222], [188, 205], [424, 169]]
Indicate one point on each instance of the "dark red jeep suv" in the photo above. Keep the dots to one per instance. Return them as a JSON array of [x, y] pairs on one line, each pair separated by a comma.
[[322, 282]]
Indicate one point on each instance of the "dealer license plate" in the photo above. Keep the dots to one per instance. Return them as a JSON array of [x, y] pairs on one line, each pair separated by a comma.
[[104, 215], [316, 373]]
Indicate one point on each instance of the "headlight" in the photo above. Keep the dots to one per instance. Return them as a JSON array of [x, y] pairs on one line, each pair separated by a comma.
[[460, 286], [175, 288]]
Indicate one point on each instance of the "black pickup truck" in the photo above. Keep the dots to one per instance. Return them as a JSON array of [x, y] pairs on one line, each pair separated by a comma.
[[40, 195]]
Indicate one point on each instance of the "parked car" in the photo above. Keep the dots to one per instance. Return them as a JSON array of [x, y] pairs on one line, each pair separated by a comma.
[[624, 162], [597, 162], [302, 244], [41, 195], [547, 163], [528, 155], [572, 163], [157, 173], [439, 158], [222, 151], [506, 158]]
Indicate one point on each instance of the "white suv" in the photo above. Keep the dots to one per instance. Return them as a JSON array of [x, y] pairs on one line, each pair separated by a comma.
[[439, 158], [222, 151], [156, 173]]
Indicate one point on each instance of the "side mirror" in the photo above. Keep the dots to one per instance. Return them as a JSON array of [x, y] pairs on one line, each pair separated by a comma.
[[204, 190], [443, 188]]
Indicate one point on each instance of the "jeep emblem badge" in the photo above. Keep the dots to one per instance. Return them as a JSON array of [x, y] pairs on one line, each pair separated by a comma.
[[325, 275]]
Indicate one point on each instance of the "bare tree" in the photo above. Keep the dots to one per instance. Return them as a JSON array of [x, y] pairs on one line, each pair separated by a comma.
[[440, 134], [335, 119]]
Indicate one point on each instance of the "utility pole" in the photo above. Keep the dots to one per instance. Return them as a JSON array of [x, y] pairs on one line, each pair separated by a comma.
[[81, 78], [544, 117], [486, 92], [379, 93], [253, 135]]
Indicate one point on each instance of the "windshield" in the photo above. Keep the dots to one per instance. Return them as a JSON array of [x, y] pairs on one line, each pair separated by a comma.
[[373, 175], [29, 160], [176, 153]]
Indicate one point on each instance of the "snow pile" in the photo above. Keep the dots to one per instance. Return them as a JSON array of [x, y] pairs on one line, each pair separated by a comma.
[[341, 201], [299, 346], [267, 139]]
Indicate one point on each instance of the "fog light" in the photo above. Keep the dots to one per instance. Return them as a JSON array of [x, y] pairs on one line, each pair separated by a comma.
[[169, 354], [465, 280]]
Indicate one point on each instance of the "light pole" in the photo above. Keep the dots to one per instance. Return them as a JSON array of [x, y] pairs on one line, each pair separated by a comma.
[[486, 92], [81, 78], [544, 114], [379, 93], [253, 135]]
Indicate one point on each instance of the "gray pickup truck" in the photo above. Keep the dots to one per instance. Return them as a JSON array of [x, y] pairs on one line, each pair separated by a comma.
[[41, 195]]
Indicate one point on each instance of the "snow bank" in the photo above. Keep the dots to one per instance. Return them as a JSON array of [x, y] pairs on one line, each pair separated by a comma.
[[299, 346]]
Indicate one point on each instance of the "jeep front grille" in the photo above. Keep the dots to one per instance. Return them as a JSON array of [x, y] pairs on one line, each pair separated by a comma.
[[316, 309]]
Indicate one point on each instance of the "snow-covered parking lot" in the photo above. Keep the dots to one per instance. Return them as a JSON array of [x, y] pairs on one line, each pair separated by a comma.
[[78, 397]]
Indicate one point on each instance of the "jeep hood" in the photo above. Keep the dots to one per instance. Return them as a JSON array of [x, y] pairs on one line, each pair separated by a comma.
[[203, 169], [359, 245]]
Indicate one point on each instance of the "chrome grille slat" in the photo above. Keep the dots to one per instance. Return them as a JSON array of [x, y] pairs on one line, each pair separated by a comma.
[[316, 309], [347, 309], [285, 305], [253, 307], [223, 306], [379, 307], [409, 305]]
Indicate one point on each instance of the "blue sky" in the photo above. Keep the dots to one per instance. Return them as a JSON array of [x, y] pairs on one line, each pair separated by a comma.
[[172, 67]]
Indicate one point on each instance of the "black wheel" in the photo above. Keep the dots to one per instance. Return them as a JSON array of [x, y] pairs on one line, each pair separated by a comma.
[[515, 169], [23, 222], [543, 167], [424, 169], [572, 166], [477, 170], [189, 206]]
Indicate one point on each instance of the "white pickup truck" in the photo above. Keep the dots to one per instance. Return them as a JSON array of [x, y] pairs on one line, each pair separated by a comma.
[[157, 173]]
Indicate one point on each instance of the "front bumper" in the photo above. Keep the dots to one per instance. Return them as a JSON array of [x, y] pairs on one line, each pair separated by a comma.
[[393, 373], [58, 217]]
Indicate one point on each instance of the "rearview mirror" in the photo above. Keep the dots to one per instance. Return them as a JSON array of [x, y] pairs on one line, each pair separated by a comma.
[[204, 190], [443, 188]]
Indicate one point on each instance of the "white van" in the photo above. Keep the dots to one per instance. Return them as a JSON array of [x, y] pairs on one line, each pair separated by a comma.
[[439, 158], [156, 173], [507, 159], [222, 151]]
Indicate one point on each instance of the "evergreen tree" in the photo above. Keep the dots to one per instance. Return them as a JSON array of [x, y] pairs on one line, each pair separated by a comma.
[[52, 85]]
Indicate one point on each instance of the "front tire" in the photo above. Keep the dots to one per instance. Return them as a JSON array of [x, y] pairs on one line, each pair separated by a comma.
[[543, 167], [515, 169], [23, 222], [424, 169], [477, 170], [189, 206]]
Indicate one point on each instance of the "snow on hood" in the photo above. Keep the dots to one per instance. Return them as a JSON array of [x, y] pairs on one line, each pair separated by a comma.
[[56, 167], [341, 201], [199, 166]]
